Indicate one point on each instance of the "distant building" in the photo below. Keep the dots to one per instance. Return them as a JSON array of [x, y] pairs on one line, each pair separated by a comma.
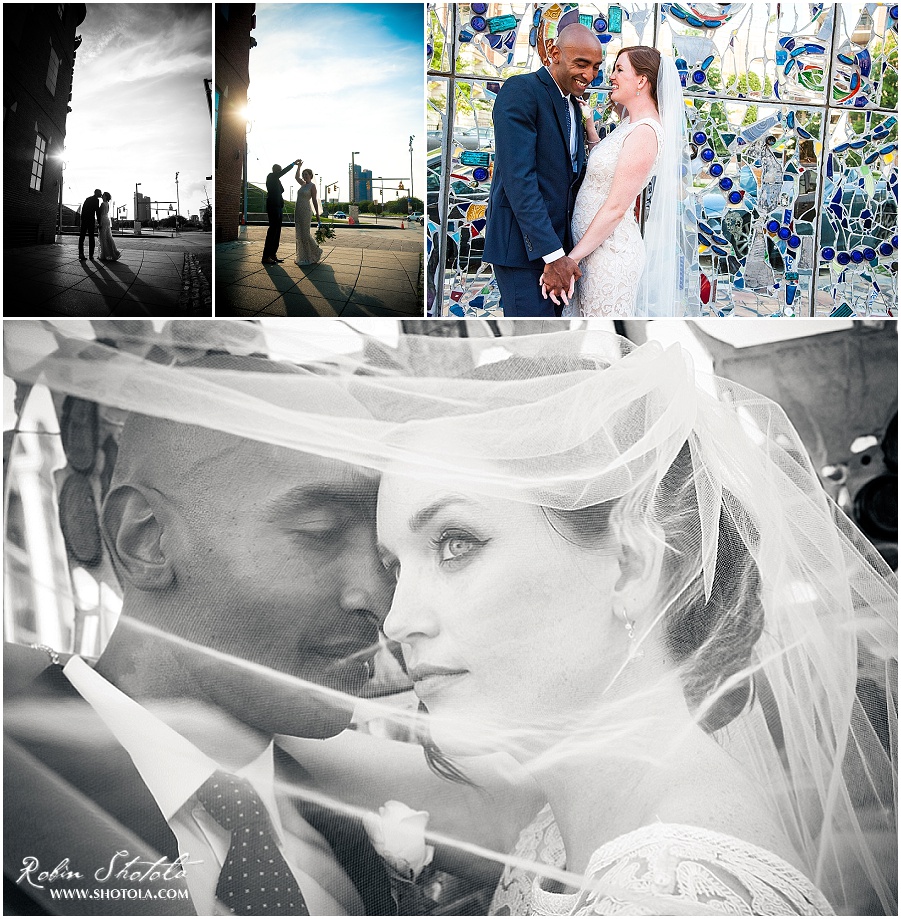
[[142, 204], [360, 183], [39, 46], [234, 22]]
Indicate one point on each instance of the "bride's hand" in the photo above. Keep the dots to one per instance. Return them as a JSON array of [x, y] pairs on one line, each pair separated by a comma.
[[564, 296]]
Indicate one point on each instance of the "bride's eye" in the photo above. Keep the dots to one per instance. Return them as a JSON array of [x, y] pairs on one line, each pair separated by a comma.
[[454, 545]]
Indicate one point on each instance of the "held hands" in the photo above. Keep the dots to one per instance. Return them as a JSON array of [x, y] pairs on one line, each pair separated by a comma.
[[559, 279]]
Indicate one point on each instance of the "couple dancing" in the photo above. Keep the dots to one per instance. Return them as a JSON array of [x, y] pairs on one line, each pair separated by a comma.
[[630, 614], [306, 250], [96, 206], [561, 231]]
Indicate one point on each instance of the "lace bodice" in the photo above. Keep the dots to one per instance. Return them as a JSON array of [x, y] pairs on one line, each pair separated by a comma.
[[601, 167], [661, 869], [611, 273]]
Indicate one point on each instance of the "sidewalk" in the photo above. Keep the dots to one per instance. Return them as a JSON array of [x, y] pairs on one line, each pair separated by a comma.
[[363, 272], [154, 277]]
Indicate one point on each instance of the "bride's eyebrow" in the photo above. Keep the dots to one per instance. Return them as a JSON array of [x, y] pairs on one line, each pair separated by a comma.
[[422, 517]]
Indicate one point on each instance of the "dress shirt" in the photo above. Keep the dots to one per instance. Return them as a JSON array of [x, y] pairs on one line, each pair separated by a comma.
[[173, 769]]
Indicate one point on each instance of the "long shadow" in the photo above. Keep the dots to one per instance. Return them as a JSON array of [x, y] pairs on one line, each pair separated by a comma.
[[105, 272], [322, 276]]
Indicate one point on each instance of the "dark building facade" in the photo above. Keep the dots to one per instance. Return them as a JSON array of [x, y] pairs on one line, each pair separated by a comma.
[[39, 46], [234, 22], [361, 183]]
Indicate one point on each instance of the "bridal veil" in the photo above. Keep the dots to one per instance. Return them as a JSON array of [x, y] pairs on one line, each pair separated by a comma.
[[796, 603]]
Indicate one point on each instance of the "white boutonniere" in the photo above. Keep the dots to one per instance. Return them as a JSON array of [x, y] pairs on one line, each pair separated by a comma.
[[397, 833]]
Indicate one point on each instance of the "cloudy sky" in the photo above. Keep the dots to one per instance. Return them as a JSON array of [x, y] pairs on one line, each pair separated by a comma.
[[327, 79], [139, 109]]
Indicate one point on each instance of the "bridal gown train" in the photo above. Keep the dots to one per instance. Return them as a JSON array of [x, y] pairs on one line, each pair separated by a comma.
[[306, 252], [611, 273], [108, 250]]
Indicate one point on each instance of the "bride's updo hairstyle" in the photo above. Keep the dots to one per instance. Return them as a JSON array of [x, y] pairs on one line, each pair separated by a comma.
[[645, 62], [711, 638]]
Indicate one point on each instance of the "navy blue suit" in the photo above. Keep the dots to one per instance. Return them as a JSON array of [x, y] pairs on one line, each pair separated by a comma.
[[533, 188]]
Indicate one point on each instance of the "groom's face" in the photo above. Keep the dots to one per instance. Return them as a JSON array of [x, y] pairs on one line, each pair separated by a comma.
[[574, 63]]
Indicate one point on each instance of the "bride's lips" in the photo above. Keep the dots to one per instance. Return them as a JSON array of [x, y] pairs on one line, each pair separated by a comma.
[[428, 679]]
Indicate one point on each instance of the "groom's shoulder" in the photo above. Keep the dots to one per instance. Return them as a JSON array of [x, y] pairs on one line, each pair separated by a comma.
[[520, 86]]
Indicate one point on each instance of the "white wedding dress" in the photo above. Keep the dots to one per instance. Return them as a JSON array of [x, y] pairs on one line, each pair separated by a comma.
[[306, 252], [663, 869], [610, 274], [108, 250]]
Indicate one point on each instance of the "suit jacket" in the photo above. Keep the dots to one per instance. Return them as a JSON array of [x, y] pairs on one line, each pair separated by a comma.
[[76, 793], [274, 188], [89, 210], [533, 187]]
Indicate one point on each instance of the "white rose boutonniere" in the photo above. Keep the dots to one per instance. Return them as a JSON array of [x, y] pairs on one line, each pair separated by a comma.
[[398, 835]]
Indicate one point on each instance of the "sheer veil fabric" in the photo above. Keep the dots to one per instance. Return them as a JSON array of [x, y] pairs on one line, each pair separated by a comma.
[[670, 285], [587, 423]]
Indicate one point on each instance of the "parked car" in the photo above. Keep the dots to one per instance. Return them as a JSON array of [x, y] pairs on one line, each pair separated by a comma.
[[419, 218], [340, 215]]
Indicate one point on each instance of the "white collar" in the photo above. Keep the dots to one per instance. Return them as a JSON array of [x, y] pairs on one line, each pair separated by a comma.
[[170, 765]]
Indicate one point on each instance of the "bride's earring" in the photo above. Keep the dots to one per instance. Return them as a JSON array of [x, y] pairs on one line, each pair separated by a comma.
[[619, 610]]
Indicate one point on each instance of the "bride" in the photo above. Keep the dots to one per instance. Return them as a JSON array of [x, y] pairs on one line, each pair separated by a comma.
[[108, 250], [306, 251], [648, 144], [647, 599]]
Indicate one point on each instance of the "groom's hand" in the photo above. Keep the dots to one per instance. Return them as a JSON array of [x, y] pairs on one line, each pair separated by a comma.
[[559, 276]]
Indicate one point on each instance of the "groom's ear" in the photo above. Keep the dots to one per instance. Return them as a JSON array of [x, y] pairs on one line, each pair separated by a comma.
[[131, 526]]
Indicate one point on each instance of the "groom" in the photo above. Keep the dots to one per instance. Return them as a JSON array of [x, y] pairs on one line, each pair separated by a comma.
[[539, 160], [89, 210], [262, 555], [275, 205]]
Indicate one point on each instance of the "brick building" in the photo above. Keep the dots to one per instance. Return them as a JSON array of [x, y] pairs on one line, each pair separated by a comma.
[[39, 47], [234, 22]]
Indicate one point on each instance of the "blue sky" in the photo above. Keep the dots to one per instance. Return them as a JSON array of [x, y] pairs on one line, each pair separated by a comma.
[[139, 111], [330, 78]]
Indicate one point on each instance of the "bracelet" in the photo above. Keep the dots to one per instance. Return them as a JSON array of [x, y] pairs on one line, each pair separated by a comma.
[[54, 656]]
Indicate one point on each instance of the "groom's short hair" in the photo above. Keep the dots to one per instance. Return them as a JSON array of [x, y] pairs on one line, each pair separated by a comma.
[[97, 193], [276, 167]]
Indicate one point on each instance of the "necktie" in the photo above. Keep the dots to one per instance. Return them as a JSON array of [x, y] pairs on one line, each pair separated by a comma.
[[255, 879], [569, 134]]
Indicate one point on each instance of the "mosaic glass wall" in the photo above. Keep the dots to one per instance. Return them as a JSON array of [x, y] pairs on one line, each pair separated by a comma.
[[791, 110]]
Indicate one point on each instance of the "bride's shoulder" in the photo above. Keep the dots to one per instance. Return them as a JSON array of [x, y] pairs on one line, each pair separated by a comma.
[[679, 869]]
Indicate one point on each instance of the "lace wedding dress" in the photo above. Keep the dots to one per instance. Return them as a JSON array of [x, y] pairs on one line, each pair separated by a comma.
[[108, 250], [306, 251], [659, 870], [611, 273]]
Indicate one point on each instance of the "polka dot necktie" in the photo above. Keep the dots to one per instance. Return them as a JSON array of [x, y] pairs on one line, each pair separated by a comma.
[[255, 879]]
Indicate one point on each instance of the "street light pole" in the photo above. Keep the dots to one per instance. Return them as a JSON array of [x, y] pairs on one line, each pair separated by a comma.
[[137, 226], [411, 170], [177, 205]]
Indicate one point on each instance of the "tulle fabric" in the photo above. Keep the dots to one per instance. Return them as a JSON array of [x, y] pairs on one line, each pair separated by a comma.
[[568, 421], [670, 285]]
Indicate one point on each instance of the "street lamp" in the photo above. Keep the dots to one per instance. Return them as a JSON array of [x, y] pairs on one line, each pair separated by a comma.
[[137, 225], [62, 164], [177, 205], [411, 171], [248, 126]]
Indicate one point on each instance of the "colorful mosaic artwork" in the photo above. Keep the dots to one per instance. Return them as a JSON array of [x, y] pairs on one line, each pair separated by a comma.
[[791, 110]]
